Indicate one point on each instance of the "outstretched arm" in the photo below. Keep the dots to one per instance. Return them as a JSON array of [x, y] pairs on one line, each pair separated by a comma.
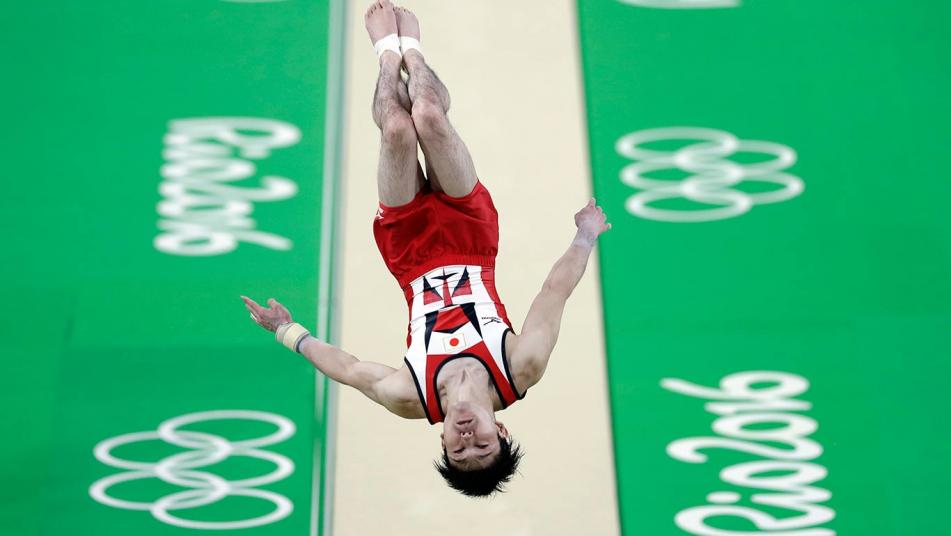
[[365, 376], [541, 327]]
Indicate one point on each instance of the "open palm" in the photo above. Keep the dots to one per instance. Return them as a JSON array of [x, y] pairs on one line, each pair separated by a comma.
[[268, 319]]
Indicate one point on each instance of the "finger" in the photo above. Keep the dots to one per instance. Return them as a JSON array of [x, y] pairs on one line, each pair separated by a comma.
[[277, 306], [591, 202], [252, 305]]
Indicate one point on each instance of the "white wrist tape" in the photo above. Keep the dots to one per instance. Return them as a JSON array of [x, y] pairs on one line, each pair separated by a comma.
[[409, 43], [390, 42], [291, 335]]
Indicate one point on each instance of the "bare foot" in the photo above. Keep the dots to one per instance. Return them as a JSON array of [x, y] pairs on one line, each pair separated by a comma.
[[381, 20], [407, 23], [408, 27]]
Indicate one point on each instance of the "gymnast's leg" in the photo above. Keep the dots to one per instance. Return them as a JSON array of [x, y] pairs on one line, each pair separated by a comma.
[[399, 175], [449, 165]]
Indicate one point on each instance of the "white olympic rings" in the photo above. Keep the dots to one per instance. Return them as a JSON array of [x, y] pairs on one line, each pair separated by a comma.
[[711, 173], [180, 469], [683, 4]]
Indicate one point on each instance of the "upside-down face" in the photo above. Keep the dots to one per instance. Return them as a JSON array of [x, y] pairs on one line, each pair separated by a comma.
[[471, 436]]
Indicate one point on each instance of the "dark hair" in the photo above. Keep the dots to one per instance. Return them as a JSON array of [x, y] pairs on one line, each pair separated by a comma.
[[483, 482]]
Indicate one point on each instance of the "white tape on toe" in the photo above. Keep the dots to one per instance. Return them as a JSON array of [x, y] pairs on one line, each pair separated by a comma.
[[390, 42], [409, 43]]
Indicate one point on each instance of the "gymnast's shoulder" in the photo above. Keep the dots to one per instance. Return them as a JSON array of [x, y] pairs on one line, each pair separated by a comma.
[[397, 393]]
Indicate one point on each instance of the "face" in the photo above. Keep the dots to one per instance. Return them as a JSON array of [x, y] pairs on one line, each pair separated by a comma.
[[471, 436]]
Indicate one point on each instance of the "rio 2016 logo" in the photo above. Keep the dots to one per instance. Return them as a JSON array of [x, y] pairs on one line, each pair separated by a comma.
[[185, 470], [712, 174], [204, 211], [758, 414]]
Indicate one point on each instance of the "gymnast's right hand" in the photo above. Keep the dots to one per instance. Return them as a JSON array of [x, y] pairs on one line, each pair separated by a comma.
[[591, 222], [268, 319]]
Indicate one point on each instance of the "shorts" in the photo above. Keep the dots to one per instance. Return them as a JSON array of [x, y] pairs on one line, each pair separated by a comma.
[[435, 230]]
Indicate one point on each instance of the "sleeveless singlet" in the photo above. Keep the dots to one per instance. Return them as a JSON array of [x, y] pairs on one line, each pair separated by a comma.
[[455, 312]]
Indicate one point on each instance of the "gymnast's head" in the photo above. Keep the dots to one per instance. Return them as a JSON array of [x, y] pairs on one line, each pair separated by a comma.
[[478, 455]]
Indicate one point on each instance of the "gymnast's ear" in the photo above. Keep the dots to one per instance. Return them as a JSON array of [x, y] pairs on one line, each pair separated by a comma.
[[442, 439], [503, 431]]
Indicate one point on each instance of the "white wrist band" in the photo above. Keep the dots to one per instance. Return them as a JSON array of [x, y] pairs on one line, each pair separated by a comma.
[[291, 335]]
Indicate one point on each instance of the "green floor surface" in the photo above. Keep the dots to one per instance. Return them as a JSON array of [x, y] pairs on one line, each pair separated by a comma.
[[775, 175], [161, 159]]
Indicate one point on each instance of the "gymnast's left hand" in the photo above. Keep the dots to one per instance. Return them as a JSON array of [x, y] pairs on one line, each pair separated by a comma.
[[268, 319]]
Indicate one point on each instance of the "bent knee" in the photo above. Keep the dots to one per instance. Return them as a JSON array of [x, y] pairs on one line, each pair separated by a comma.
[[430, 120], [398, 130]]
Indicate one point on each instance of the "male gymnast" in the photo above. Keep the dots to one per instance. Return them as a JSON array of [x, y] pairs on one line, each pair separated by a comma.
[[437, 231]]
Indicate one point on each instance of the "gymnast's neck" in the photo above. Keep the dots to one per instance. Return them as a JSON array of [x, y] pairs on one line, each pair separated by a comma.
[[461, 382]]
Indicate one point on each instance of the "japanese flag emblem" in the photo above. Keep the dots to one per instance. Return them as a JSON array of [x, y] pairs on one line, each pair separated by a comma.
[[454, 343]]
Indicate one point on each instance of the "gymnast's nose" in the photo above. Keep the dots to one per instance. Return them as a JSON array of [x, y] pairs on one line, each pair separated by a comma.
[[467, 434]]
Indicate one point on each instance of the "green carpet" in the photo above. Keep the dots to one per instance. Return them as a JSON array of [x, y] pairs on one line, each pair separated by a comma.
[[774, 173], [161, 159]]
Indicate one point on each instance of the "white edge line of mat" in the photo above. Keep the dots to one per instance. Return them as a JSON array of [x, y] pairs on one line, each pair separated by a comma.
[[599, 292], [322, 497]]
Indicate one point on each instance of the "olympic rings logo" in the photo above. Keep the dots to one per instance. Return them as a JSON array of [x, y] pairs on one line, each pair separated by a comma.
[[683, 4], [711, 174], [182, 469]]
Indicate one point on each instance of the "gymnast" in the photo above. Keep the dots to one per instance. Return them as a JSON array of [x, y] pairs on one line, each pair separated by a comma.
[[437, 230]]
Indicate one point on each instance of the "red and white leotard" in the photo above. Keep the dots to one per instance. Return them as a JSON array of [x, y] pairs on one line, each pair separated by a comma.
[[442, 251]]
